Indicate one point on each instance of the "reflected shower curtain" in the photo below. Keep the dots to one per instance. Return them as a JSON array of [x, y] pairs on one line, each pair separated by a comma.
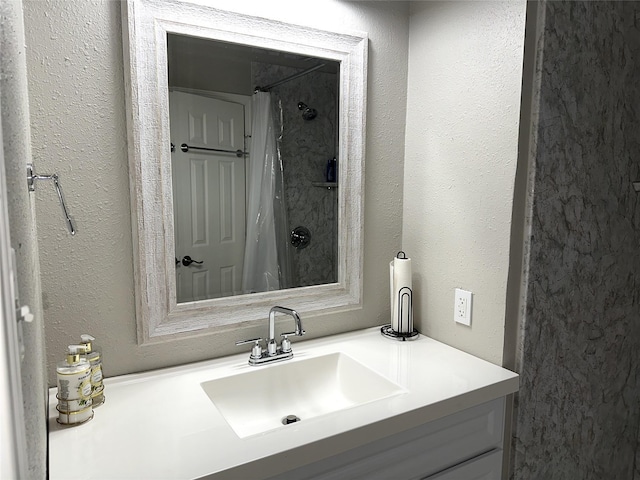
[[267, 263]]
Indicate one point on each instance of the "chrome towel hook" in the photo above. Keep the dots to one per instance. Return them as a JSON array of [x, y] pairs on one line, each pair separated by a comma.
[[32, 176], [636, 186]]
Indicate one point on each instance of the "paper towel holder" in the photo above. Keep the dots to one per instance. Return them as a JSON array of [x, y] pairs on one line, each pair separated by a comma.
[[405, 293], [389, 332]]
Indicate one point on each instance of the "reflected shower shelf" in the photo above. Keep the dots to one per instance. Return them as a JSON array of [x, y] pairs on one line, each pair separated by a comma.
[[327, 185]]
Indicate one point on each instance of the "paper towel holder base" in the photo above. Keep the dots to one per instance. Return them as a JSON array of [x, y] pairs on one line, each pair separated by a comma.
[[388, 332]]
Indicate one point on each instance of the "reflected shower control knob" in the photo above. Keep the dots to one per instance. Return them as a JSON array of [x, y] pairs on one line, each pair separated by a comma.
[[300, 237]]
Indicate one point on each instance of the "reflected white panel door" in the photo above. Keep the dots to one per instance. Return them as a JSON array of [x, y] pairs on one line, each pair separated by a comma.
[[208, 195]]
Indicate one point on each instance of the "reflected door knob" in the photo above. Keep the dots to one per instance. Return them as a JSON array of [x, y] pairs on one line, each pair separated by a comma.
[[187, 260]]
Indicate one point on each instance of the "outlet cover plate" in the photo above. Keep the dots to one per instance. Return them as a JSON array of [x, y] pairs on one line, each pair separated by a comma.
[[462, 307]]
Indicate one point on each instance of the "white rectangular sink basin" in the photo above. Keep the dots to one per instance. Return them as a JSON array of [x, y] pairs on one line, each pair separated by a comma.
[[257, 401]]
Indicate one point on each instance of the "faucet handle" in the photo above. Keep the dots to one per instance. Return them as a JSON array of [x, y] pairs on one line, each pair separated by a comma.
[[286, 343], [297, 333], [285, 346], [256, 351]]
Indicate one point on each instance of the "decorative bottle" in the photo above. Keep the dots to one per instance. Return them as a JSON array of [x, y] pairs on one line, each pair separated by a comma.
[[74, 388], [95, 360]]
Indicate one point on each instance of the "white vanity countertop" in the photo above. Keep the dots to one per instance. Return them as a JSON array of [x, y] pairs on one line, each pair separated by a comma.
[[162, 425]]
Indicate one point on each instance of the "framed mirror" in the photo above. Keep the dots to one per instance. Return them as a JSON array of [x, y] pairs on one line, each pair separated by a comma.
[[227, 178], [194, 186]]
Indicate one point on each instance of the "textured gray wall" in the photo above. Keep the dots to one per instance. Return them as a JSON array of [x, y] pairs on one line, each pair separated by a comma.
[[17, 152], [463, 109], [74, 53], [578, 409]]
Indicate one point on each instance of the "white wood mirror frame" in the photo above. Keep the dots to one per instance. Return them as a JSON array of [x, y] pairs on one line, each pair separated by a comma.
[[145, 27]]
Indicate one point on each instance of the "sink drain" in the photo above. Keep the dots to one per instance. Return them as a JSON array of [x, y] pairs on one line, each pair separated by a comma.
[[290, 419]]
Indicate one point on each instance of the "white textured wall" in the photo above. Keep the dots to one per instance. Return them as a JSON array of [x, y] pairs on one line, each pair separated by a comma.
[[463, 104], [74, 52], [14, 117]]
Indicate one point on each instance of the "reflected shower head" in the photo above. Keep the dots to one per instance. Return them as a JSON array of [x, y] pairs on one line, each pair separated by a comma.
[[307, 112]]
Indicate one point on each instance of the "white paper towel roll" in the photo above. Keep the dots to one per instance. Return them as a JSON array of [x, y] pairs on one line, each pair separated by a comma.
[[401, 294]]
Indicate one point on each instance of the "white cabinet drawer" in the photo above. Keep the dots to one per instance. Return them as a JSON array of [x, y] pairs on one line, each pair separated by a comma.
[[418, 452], [484, 467]]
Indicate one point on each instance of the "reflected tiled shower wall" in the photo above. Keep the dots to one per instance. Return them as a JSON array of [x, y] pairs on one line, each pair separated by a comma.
[[578, 409], [306, 147]]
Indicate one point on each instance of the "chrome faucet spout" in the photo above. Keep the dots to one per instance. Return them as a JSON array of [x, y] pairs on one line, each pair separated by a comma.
[[287, 311], [299, 330]]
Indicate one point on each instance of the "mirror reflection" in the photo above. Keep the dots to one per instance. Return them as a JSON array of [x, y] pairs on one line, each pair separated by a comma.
[[254, 169]]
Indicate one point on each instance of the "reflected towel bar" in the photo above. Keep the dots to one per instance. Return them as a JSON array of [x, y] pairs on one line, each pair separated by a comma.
[[185, 148]]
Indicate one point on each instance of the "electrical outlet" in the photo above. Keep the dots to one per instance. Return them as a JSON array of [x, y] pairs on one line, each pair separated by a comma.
[[462, 307]]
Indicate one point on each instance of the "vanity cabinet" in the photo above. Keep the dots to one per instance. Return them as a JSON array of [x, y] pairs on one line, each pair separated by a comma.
[[484, 467], [444, 423], [461, 446]]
